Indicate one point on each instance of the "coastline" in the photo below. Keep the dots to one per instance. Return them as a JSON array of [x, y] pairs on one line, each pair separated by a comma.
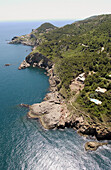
[[57, 110], [52, 112]]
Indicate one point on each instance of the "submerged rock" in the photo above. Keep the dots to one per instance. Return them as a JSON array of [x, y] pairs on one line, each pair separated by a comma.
[[7, 64], [24, 105], [92, 146]]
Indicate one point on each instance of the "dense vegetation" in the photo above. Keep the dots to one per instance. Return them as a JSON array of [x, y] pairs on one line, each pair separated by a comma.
[[84, 46], [45, 27]]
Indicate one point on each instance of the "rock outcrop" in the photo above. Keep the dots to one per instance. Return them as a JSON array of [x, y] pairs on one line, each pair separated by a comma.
[[25, 40], [92, 146], [101, 132], [34, 38], [14, 38], [24, 65], [37, 59], [50, 111]]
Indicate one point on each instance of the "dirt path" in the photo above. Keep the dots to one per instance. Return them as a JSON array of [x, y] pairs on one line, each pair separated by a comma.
[[76, 86]]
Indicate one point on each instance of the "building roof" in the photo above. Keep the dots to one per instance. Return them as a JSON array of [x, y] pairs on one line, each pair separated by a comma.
[[81, 77], [102, 90], [102, 49]]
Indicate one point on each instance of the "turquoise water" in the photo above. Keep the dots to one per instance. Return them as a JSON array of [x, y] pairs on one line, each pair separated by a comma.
[[24, 144]]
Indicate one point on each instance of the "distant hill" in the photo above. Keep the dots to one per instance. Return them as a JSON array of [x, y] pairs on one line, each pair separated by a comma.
[[36, 37], [46, 27]]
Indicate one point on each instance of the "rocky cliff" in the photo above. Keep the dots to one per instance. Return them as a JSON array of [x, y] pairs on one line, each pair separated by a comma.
[[36, 60]]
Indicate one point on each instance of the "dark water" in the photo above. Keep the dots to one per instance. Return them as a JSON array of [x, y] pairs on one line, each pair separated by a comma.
[[24, 144]]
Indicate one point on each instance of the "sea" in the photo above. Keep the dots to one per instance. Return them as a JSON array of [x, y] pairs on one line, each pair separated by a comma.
[[24, 143]]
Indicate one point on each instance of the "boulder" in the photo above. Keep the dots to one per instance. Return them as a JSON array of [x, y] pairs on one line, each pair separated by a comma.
[[35, 65], [14, 38], [92, 146]]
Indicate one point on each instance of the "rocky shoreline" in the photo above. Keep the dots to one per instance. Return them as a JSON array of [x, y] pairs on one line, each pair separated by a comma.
[[53, 112]]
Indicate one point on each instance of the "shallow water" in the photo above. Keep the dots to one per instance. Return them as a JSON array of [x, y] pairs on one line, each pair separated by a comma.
[[24, 144]]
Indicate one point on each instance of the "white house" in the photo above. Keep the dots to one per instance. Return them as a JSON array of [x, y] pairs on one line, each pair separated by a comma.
[[102, 90], [102, 49], [81, 77]]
